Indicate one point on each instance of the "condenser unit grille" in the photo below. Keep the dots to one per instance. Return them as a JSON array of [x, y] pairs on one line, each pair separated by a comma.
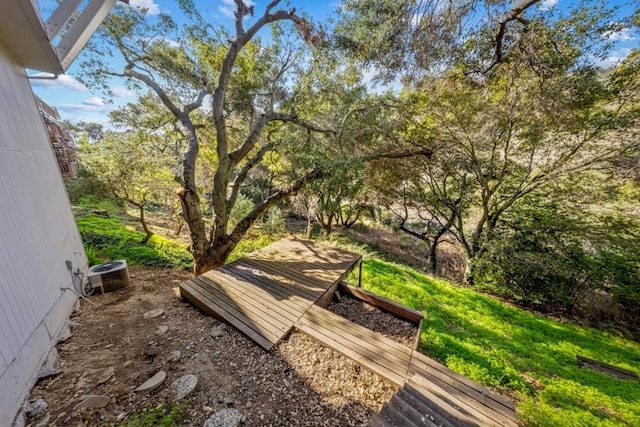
[[110, 276]]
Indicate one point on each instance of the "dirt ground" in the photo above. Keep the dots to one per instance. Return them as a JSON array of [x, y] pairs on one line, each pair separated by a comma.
[[114, 349]]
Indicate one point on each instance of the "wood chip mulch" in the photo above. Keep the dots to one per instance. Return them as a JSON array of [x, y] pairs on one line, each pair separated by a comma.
[[393, 327]]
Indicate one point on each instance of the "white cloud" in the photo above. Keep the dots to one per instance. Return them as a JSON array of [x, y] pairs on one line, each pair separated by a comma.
[[615, 58], [548, 4], [95, 101], [123, 92], [228, 7], [151, 6], [64, 81], [621, 35], [93, 104]]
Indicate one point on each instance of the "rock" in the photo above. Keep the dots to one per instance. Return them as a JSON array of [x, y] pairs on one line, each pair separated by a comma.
[[92, 401], [94, 377], [175, 356], [36, 409], [50, 365], [287, 383], [226, 400], [152, 314], [153, 382], [162, 330], [218, 331], [228, 417], [184, 386]]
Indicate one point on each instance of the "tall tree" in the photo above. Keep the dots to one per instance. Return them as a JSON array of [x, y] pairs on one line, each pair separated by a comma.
[[253, 111], [131, 168], [209, 63], [503, 92]]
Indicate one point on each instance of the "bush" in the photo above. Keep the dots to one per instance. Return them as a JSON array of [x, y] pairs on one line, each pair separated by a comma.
[[243, 206], [86, 183], [273, 222], [557, 262]]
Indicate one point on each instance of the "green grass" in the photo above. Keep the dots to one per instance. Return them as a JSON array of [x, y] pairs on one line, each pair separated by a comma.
[[529, 357], [526, 356], [156, 417], [109, 239]]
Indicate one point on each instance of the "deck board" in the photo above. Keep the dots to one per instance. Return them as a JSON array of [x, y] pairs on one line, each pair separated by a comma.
[[264, 294], [389, 361]]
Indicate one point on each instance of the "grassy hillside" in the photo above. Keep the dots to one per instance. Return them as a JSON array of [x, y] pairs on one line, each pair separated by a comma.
[[527, 356], [115, 237]]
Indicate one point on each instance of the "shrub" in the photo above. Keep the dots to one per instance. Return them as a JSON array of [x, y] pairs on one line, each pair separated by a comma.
[[273, 222], [243, 206]]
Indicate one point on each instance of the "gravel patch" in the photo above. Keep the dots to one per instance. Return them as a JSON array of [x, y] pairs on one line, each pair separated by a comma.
[[115, 349]]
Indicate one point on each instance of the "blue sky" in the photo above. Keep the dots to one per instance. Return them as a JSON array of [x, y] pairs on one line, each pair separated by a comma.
[[76, 102]]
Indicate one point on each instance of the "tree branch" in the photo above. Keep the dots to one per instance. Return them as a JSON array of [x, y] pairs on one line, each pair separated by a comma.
[[242, 174], [197, 103], [272, 200], [240, 153]]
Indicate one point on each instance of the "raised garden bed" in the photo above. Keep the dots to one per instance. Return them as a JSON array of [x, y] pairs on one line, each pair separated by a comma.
[[395, 321]]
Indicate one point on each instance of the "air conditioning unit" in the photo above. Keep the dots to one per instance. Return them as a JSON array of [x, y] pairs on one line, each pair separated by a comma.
[[110, 276]]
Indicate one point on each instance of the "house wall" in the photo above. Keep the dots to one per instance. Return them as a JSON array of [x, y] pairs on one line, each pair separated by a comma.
[[37, 236]]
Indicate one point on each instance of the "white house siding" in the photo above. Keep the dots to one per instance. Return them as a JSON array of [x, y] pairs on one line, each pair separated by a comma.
[[37, 236]]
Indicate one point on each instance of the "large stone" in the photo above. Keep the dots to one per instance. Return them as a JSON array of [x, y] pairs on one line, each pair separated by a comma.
[[185, 386], [94, 377], [152, 314], [153, 382], [218, 331], [162, 330], [92, 401], [225, 418], [37, 408], [175, 356]]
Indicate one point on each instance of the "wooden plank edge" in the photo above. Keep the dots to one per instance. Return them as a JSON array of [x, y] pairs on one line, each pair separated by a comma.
[[382, 371], [454, 404], [276, 321], [361, 345], [383, 303], [326, 297], [615, 370], [231, 315], [357, 330], [467, 396], [423, 358], [260, 340], [416, 345]]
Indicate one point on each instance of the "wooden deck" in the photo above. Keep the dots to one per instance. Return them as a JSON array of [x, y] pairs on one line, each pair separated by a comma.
[[446, 397], [285, 285], [264, 294]]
